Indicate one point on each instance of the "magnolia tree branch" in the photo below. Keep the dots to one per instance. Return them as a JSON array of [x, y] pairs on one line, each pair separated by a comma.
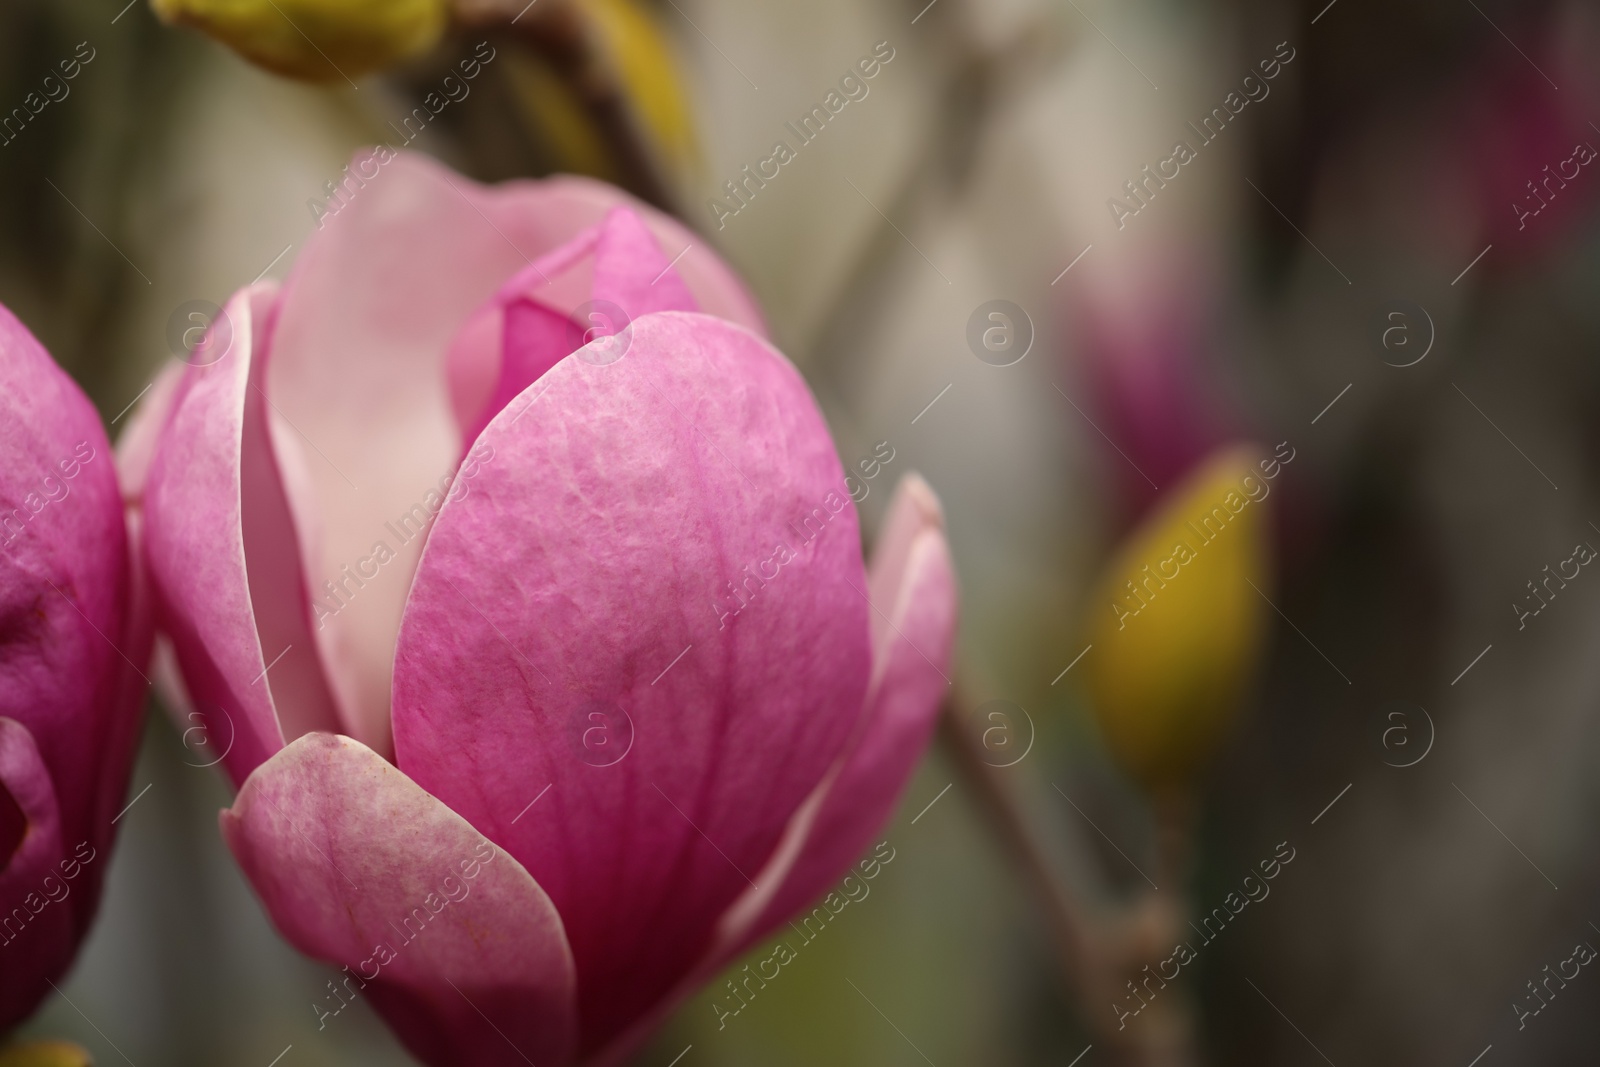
[[1108, 951], [560, 33]]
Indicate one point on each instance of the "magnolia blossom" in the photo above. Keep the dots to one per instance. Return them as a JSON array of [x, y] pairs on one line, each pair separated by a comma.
[[72, 642], [530, 751]]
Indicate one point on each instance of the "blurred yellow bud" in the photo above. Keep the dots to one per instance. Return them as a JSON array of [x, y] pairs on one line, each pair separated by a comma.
[[315, 40], [45, 1054], [1175, 624]]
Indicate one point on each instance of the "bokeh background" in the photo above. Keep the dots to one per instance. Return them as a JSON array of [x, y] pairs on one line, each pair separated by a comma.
[[1438, 470]]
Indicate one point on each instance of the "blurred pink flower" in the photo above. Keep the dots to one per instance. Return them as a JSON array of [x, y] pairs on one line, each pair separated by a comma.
[[1141, 331], [635, 671], [1524, 150], [73, 641]]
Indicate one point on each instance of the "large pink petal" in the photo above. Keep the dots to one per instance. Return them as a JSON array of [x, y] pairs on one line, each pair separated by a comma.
[[451, 938], [118, 741], [223, 557], [36, 923], [358, 368], [66, 644], [914, 597], [569, 604]]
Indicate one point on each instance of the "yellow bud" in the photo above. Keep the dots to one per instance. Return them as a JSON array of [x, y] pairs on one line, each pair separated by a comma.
[[45, 1054], [315, 40], [1175, 624]]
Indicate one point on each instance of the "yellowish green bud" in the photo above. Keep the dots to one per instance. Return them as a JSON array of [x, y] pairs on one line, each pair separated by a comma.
[[1177, 619], [316, 40], [44, 1054]]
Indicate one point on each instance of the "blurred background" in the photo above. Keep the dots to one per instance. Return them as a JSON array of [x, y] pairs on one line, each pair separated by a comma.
[[1382, 259]]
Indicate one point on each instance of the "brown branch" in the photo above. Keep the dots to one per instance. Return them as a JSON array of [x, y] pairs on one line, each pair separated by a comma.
[[1069, 924]]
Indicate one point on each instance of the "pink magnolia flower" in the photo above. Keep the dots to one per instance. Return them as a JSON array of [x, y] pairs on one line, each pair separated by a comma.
[[531, 750], [73, 638]]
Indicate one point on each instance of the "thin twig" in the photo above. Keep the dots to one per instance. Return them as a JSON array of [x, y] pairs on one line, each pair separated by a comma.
[[1099, 947], [1069, 925]]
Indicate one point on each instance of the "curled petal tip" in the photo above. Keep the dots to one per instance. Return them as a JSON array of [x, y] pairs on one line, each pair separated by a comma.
[[914, 509], [917, 493]]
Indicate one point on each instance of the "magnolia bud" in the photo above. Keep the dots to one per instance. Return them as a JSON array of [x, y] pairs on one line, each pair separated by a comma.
[[45, 1054], [1175, 623]]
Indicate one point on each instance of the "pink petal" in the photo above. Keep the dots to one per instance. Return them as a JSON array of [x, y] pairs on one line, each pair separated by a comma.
[[913, 583], [36, 931], [578, 578], [348, 854], [632, 270], [624, 267], [69, 640], [223, 557], [118, 740], [561, 208]]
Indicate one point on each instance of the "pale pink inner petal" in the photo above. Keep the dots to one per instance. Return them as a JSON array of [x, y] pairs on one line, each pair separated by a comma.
[[358, 372], [293, 671], [223, 555]]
